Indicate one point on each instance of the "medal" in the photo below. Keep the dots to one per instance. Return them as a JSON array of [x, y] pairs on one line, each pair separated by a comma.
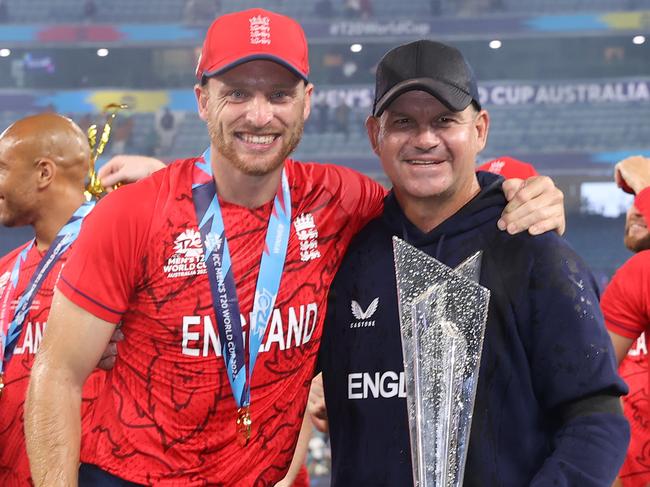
[[2, 384], [11, 324], [225, 303], [243, 425]]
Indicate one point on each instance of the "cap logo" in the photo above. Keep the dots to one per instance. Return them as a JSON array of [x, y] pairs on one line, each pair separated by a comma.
[[496, 166], [260, 29]]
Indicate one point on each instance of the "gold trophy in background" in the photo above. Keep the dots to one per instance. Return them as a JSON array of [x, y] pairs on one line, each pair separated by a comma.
[[94, 188]]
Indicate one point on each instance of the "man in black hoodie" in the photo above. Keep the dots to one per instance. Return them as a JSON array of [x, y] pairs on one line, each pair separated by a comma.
[[547, 409]]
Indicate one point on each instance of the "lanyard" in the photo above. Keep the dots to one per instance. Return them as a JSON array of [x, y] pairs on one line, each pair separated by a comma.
[[222, 282], [10, 328]]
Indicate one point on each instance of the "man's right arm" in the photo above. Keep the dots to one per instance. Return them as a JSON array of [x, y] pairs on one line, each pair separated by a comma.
[[625, 303], [125, 169], [92, 294], [633, 176], [72, 345]]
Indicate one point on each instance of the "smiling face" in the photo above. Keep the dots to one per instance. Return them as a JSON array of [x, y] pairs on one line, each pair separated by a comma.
[[18, 183], [426, 150], [255, 114], [636, 236], [43, 161]]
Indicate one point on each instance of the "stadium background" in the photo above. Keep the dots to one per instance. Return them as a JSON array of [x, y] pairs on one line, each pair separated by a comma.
[[566, 82]]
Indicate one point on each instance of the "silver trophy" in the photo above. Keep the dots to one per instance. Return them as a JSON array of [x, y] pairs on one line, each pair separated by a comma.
[[443, 313]]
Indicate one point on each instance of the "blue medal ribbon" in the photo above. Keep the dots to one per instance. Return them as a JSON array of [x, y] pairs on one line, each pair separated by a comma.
[[10, 329], [222, 282]]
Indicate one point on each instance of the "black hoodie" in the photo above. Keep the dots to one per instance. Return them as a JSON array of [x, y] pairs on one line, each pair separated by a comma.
[[546, 410]]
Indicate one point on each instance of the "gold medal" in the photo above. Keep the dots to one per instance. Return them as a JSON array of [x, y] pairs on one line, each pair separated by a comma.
[[243, 425]]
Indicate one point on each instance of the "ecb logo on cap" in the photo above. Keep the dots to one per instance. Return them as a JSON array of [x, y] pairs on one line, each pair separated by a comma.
[[260, 30], [496, 166]]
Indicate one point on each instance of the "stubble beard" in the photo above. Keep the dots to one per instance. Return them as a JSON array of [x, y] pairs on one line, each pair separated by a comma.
[[248, 167], [636, 244]]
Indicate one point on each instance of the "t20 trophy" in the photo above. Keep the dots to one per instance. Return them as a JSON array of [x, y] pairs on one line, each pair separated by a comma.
[[443, 313], [94, 188]]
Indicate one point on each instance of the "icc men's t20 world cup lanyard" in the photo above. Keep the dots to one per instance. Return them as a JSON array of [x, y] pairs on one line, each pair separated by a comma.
[[222, 282], [11, 327]]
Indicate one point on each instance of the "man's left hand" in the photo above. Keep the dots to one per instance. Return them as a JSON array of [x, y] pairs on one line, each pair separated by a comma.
[[316, 405], [632, 174], [110, 353], [534, 204]]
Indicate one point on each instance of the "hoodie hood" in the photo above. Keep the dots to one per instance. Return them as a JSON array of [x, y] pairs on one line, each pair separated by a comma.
[[483, 209]]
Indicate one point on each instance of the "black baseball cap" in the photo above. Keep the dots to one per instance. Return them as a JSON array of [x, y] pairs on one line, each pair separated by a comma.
[[430, 66]]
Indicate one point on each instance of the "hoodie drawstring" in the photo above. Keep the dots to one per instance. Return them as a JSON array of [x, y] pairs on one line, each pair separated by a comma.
[[439, 246]]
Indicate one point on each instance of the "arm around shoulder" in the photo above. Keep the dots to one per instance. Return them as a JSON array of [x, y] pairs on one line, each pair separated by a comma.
[[534, 204], [361, 197]]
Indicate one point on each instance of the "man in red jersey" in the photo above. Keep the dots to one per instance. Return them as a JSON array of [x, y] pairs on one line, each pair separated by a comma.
[[43, 164], [208, 288], [627, 314]]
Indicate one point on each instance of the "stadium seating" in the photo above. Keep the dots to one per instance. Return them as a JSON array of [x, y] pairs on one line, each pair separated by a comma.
[[129, 11], [560, 128], [554, 7], [23, 11], [585, 128]]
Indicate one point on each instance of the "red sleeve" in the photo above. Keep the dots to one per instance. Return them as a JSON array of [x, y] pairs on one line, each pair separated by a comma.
[[626, 301], [361, 197], [104, 262], [642, 203]]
